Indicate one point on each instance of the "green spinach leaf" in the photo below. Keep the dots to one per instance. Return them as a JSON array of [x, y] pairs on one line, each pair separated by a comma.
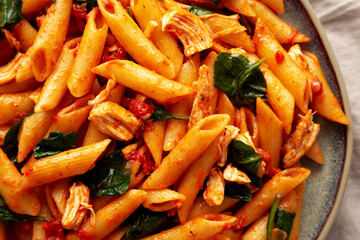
[[240, 79], [272, 213], [147, 222], [245, 159], [56, 143], [198, 11], [284, 220], [109, 177], [162, 114], [238, 191], [10, 12], [7, 216], [11, 142]]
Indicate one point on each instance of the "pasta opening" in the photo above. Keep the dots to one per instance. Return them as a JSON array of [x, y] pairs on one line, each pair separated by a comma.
[[99, 20], [73, 45], [39, 62], [109, 6]]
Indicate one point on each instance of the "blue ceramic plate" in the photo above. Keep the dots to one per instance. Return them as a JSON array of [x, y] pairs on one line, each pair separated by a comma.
[[326, 185]]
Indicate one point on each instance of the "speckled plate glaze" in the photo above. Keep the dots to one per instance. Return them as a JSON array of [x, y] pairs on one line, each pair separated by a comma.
[[326, 184]]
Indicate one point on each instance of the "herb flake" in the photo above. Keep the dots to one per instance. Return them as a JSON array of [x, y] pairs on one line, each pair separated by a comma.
[[162, 114]]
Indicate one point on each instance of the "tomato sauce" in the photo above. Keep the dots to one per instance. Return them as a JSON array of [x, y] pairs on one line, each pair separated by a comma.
[[53, 230], [80, 14], [279, 56], [138, 108], [118, 54], [147, 165], [316, 85], [265, 155]]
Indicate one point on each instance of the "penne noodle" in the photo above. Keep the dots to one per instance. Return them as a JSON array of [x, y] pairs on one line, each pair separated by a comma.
[[63, 165], [15, 87], [281, 64], [144, 81], [276, 5], [225, 106], [29, 6], [117, 233], [198, 228], [32, 130], [163, 200], [281, 183], [324, 103], [186, 152], [270, 131], [8, 71], [176, 129], [21, 202], [146, 11], [50, 38], [109, 217], [283, 32], [294, 234], [89, 53], [55, 85], [25, 34], [3, 131], [154, 138], [239, 6], [200, 207], [315, 154], [15, 106], [133, 39]]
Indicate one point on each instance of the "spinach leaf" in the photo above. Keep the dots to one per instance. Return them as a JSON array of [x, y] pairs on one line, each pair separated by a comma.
[[90, 4], [198, 11], [147, 222], [162, 114], [56, 143], [10, 12], [238, 191], [245, 159], [240, 79], [11, 142], [284, 220], [109, 177], [7, 216], [216, 2], [270, 222]]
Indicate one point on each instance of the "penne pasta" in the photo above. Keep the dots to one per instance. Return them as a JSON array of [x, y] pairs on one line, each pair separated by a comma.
[[163, 200], [15, 106], [144, 81], [195, 142], [88, 55], [133, 39]]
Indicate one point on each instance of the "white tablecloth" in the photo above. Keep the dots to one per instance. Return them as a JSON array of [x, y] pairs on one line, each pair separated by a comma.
[[341, 20]]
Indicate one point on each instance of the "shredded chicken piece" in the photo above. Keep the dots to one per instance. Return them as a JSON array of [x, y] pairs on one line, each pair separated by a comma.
[[104, 94], [114, 120], [261, 170], [300, 140], [77, 206], [215, 188], [201, 106], [232, 174], [191, 31], [225, 138]]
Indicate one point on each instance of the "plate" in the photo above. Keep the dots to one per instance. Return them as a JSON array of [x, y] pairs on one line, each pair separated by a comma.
[[326, 184]]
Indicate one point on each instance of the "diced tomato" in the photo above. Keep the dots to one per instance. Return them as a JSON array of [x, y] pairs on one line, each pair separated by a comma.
[[316, 85], [114, 55], [138, 108], [273, 171], [6, 52], [80, 14], [265, 154], [279, 56], [53, 230], [146, 163], [293, 35]]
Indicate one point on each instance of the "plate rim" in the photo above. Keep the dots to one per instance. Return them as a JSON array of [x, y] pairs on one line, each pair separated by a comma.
[[349, 129]]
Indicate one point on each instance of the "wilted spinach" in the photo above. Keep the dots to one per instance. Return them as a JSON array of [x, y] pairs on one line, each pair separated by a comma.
[[240, 79], [162, 114], [54, 144], [109, 177], [284, 221], [245, 159], [10, 12], [238, 191], [198, 11]]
